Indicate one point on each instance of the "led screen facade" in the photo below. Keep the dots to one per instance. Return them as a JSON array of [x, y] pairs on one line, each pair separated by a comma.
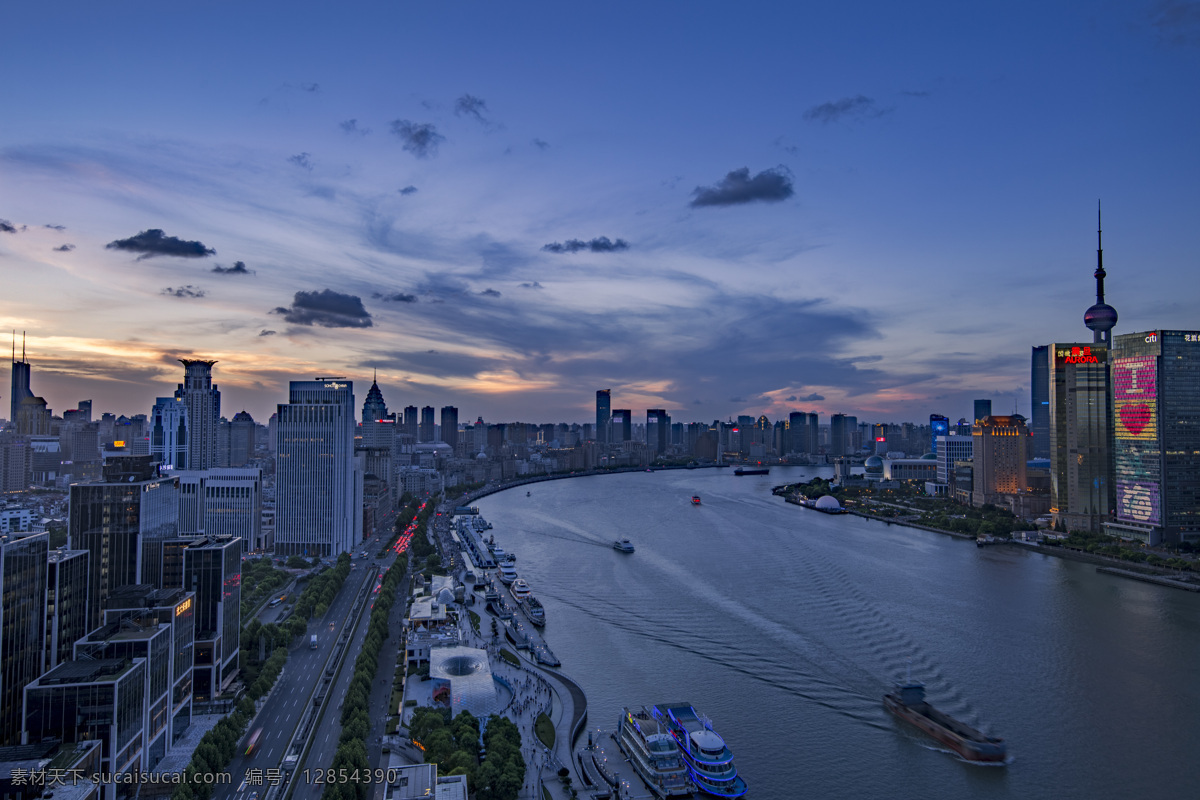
[[1137, 454]]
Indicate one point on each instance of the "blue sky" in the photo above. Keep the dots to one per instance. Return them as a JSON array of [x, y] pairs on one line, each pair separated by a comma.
[[874, 208]]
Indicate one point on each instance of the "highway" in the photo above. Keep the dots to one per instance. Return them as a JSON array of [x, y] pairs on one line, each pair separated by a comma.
[[294, 689]]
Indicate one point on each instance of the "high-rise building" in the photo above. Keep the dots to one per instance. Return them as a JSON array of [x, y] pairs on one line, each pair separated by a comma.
[[1080, 458], [221, 502], [66, 604], [938, 426], [427, 422], [603, 415], [410, 423], [374, 408], [450, 425], [999, 455], [16, 463], [318, 488], [242, 431], [1156, 436], [983, 408], [22, 623], [117, 520], [842, 433], [657, 438], [1039, 402], [212, 568], [621, 425], [202, 399], [950, 449]]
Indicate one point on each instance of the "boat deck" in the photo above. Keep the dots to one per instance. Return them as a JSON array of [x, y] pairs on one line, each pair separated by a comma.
[[605, 769]]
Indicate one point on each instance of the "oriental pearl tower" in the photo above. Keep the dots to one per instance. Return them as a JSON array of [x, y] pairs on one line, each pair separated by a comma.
[[1100, 318]]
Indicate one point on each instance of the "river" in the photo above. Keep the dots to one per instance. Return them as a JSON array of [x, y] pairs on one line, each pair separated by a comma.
[[786, 626]]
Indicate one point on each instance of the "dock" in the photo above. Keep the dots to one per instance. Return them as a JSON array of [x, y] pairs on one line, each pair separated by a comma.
[[525, 636], [606, 772]]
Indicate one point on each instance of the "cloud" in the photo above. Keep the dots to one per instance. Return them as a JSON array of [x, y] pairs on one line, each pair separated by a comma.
[[532, 285], [809, 398], [470, 106], [737, 187], [601, 244], [419, 138], [6, 227], [265, 332], [490, 293], [56, 227], [395, 297], [327, 309], [351, 126], [791, 399], [301, 160], [238, 268], [184, 291], [540, 144], [408, 190], [64, 248], [737, 399], [154, 242], [1177, 21], [856, 107], [311, 87]]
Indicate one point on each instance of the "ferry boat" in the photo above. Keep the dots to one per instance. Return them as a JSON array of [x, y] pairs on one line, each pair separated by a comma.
[[653, 753], [533, 607], [908, 703], [695, 499], [752, 471], [624, 545], [507, 573], [709, 760], [519, 589]]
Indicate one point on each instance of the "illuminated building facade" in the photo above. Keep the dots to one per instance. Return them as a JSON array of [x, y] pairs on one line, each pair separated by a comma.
[[1080, 457], [999, 453], [938, 426], [1156, 436]]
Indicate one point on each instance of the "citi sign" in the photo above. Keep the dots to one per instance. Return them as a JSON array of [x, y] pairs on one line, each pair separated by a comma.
[[1152, 338]]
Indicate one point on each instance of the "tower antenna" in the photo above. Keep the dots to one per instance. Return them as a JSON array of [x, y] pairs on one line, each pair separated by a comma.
[[22, 346]]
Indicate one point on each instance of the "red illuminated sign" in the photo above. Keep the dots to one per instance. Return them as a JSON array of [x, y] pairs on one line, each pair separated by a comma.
[[1078, 355]]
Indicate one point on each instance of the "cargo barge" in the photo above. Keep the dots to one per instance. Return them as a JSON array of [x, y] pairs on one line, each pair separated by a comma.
[[908, 703]]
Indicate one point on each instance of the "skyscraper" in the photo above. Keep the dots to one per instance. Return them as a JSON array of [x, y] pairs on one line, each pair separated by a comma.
[[621, 425], [427, 423], [983, 408], [410, 423], [203, 402], [1156, 436], [118, 521], [22, 624], [20, 381], [603, 414], [374, 408], [317, 486], [450, 425], [661, 421], [1039, 402], [999, 455], [938, 426], [241, 439], [29, 414]]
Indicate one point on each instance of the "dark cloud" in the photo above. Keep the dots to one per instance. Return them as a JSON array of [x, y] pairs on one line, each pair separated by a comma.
[[184, 291], [540, 144], [532, 285], [351, 126], [311, 87], [265, 332], [470, 106], [601, 244], [395, 297], [490, 293], [855, 107], [327, 309], [238, 268], [154, 242], [64, 248], [811, 398], [737, 187], [56, 227], [791, 399], [737, 399], [7, 227], [1177, 21], [301, 160], [408, 190], [419, 138]]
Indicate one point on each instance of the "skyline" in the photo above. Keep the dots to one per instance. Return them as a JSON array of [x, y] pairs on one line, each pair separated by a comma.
[[709, 214]]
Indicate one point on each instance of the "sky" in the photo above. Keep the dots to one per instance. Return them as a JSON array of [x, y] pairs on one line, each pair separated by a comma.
[[712, 208]]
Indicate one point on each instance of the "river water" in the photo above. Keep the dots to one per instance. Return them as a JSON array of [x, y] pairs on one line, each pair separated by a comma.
[[786, 627]]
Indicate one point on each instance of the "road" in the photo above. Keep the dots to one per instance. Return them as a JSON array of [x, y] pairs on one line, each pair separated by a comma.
[[294, 688]]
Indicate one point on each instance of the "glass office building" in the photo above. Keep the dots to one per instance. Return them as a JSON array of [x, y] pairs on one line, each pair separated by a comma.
[[1080, 457], [1156, 436]]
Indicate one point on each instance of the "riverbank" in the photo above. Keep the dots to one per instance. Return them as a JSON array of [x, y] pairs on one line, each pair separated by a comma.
[[467, 499]]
